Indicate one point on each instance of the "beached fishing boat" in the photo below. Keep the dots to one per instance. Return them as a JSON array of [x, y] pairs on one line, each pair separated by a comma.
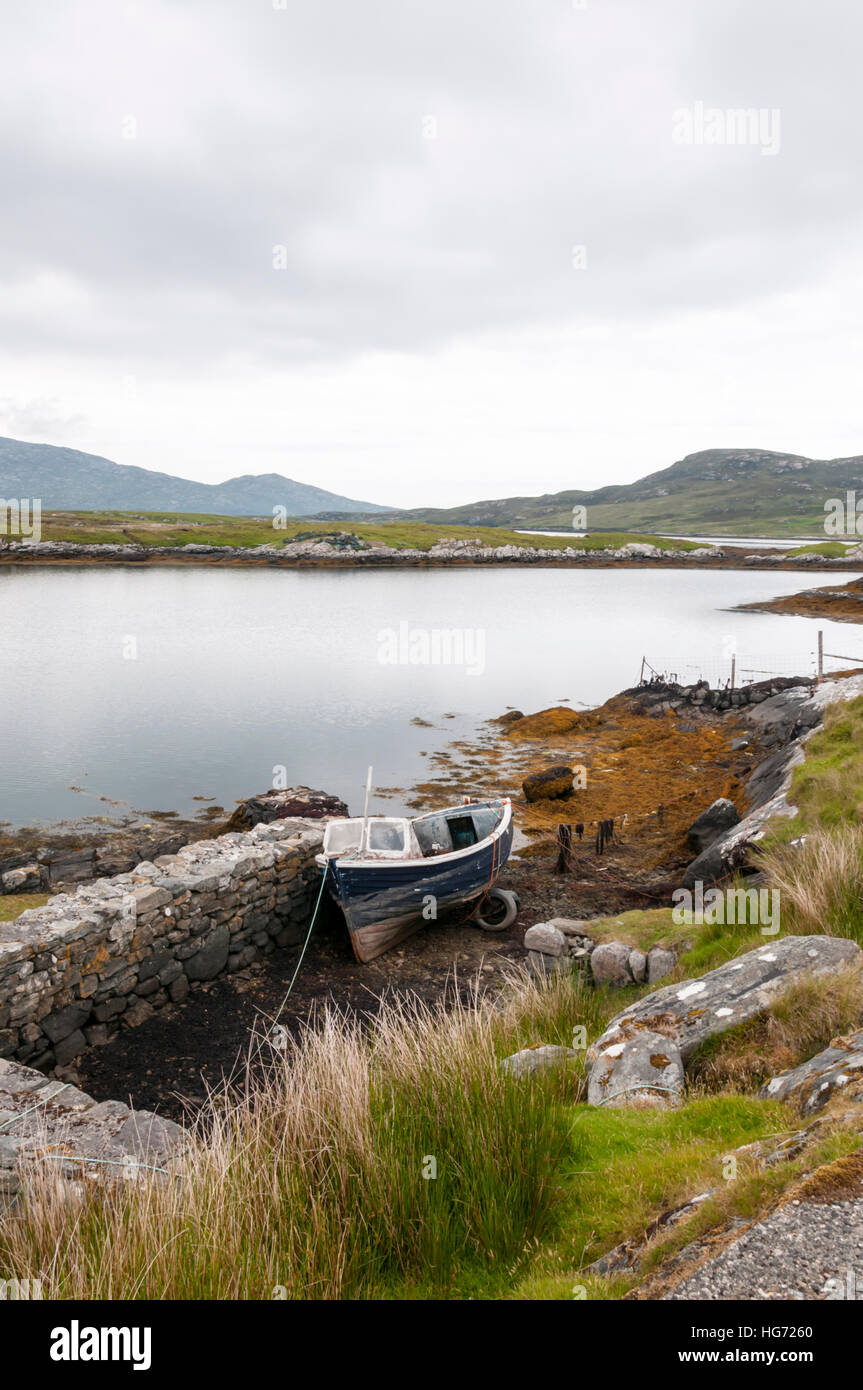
[[391, 875]]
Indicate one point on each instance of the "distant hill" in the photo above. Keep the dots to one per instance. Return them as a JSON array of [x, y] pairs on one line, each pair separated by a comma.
[[731, 492], [66, 480]]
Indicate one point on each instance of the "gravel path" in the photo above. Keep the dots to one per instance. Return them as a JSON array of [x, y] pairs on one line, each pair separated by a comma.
[[790, 1255]]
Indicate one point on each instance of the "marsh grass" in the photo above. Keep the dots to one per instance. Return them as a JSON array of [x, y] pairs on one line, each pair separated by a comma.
[[821, 882]]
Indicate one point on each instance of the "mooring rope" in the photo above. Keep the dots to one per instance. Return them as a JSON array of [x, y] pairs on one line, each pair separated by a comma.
[[31, 1108], [306, 942], [644, 1086]]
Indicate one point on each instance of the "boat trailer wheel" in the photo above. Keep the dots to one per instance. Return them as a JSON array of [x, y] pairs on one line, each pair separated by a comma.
[[497, 910]]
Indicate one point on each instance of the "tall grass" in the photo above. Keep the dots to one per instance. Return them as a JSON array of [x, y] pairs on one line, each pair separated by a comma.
[[820, 882], [315, 1178]]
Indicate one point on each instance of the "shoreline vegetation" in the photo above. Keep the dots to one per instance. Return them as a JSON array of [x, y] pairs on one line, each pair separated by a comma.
[[393, 1157], [177, 539]]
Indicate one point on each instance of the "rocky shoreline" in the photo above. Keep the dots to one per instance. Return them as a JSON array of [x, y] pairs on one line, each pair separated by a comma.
[[363, 554], [839, 604]]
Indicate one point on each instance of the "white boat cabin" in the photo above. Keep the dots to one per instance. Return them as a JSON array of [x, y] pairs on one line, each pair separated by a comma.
[[394, 837]]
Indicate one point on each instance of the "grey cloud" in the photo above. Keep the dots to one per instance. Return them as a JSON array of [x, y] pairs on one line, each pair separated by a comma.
[[303, 127]]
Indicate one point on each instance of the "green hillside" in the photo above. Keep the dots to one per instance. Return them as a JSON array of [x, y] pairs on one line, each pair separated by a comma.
[[719, 492]]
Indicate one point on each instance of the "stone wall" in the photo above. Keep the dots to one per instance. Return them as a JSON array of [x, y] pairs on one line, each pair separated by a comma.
[[85, 964], [666, 695]]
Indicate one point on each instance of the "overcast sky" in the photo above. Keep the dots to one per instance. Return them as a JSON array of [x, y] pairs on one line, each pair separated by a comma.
[[426, 251]]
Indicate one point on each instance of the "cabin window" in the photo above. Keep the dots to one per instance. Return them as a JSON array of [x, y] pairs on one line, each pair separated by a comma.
[[387, 837], [342, 836]]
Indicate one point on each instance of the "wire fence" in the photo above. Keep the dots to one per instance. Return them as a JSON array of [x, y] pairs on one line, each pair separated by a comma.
[[740, 668]]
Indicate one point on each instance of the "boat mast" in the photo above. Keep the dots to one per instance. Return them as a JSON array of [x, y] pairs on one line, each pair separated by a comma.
[[364, 840]]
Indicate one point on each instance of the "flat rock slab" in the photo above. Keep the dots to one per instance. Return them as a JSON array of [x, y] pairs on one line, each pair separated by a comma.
[[803, 1251], [640, 1069], [531, 1060], [44, 1121], [694, 1010], [811, 1085]]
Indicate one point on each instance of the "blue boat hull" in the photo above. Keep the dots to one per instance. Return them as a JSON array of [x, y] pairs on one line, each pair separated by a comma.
[[385, 903]]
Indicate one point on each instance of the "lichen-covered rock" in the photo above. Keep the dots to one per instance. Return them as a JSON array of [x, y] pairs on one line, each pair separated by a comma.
[[694, 1010], [811, 1085], [549, 784], [638, 1068], [25, 879]]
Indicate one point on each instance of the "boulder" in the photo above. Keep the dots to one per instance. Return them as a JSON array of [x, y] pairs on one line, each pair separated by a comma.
[[26, 879], [811, 1085], [281, 804], [719, 817], [659, 964], [694, 1010], [549, 784], [638, 966], [545, 1057], [731, 850], [546, 938], [640, 1068], [610, 964], [570, 926]]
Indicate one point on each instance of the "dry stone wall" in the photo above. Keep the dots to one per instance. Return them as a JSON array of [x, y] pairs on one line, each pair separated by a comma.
[[86, 964]]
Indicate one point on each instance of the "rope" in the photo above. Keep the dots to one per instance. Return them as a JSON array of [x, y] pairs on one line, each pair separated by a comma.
[[30, 1109], [643, 1086], [305, 943]]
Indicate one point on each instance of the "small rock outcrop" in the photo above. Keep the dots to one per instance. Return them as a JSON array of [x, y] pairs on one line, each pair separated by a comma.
[[278, 804], [719, 817], [555, 946], [811, 1085], [548, 784]]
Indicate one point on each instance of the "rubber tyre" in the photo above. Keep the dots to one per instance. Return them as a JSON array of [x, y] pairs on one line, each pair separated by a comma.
[[501, 908]]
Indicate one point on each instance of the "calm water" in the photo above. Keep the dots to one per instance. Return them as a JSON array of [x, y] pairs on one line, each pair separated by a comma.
[[237, 672]]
